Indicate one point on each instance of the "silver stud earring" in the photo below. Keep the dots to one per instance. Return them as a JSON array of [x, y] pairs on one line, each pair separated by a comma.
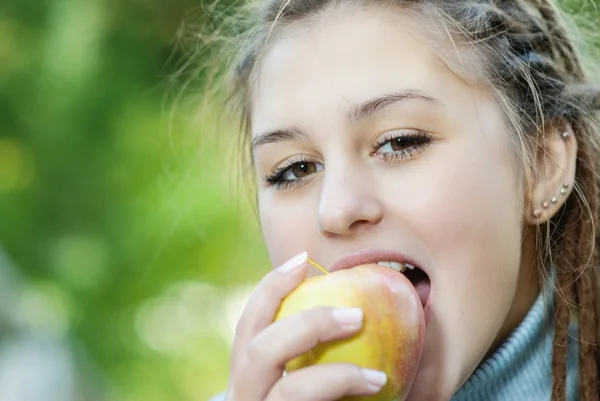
[[566, 135], [545, 204]]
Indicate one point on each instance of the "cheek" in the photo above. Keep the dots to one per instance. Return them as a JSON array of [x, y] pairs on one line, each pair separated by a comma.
[[475, 202], [469, 211], [287, 222], [467, 217]]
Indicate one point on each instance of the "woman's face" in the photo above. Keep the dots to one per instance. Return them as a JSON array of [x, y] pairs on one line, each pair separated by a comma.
[[364, 140]]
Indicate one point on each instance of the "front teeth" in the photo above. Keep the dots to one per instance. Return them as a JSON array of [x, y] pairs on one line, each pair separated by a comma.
[[399, 267]]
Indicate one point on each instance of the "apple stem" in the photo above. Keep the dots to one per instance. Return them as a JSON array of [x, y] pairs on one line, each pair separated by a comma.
[[318, 266]]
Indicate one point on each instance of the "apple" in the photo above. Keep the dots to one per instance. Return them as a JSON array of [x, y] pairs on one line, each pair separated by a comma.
[[393, 332]]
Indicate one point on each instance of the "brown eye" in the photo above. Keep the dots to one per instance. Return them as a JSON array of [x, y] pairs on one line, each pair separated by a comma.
[[400, 143], [293, 173], [398, 147], [303, 169]]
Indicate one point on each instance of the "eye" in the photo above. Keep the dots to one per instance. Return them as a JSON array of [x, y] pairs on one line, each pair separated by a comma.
[[399, 146], [299, 170], [292, 173]]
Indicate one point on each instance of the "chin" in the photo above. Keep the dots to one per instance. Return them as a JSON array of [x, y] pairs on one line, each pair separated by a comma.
[[429, 386], [437, 379]]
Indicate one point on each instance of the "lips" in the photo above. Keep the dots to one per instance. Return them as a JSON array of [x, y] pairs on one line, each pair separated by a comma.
[[417, 275]]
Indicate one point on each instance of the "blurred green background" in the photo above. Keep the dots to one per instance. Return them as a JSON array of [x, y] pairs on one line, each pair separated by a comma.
[[127, 247], [125, 237]]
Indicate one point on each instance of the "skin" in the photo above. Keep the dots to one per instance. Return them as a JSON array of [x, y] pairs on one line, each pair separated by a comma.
[[457, 205]]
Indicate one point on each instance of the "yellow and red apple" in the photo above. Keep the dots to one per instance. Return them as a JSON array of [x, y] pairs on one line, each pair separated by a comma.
[[391, 339]]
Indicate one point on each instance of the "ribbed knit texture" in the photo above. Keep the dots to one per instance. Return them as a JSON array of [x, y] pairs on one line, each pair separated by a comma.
[[521, 368]]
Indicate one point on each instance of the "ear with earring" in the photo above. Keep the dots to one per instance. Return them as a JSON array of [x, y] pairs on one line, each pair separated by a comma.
[[553, 200], [563, 191]]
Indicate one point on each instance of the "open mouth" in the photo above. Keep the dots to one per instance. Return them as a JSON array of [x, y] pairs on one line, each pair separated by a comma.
[[397, 261], [418, 278]]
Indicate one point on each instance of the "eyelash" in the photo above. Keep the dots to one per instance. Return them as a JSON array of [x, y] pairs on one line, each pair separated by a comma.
[[275, 177], [416, 142]]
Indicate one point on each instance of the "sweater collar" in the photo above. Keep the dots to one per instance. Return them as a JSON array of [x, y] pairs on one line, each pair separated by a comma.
[[521, 368]]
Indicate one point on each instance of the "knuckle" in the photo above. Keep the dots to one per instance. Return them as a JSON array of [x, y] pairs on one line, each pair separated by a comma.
[[269, 282], [246, 316], [307, 324], [266, 293], [254, 350], [356, 379], [315, 323], [320, 315], [346, 376], [324, 312], [306, 319], [239, 327], [356, 372], [321, 319]]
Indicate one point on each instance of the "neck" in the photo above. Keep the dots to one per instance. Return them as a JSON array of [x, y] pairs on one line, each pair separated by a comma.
[[521, 368], [526, 293]]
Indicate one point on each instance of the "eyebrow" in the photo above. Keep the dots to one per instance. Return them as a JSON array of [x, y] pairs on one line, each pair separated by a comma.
[[285, 134], [356, 114], [372, 106]]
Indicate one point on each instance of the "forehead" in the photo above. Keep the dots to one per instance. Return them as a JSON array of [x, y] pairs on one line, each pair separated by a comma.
[[332, 63]]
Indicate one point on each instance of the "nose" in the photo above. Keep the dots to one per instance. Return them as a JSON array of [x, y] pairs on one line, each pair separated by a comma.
[[348, 203]]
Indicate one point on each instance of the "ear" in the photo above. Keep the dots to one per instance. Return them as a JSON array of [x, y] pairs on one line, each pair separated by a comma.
[[554, 168]]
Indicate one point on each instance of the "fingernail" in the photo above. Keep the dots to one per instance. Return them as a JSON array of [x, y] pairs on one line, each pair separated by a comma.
[[349, 318], [375, 378], [294, 262]]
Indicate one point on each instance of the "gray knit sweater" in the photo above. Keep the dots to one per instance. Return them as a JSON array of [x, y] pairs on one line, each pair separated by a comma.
[[521, 369]]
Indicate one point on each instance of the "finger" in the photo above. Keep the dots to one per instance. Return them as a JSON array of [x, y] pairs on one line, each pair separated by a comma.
[[327, 382], [268, 352], [264, 302]]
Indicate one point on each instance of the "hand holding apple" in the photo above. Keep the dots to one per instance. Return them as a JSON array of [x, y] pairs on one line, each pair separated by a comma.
[[393, 331], [270, 336]]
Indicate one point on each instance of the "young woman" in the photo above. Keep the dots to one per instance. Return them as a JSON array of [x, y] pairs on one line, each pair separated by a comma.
[[461, 134]]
